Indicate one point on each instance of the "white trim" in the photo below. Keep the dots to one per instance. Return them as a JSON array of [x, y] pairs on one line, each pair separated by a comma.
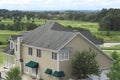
[[11, 44], [64, 52], [40, 48], [25, 70], [34, 72], [58, 62], [54, 55], [68, 41], [95, 46], [38, 55], [78, 33]]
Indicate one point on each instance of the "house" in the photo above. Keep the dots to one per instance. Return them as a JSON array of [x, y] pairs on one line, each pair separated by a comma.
[[47, 51]]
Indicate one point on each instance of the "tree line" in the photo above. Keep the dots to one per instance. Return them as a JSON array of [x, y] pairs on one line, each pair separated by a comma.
[[62, 15], [108, 19], [18, 26]]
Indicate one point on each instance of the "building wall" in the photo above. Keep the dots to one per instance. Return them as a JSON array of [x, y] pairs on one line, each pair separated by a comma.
[[80, 44], [45, 61]]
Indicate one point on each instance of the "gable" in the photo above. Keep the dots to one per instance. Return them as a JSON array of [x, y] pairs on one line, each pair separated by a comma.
[[79, 43]]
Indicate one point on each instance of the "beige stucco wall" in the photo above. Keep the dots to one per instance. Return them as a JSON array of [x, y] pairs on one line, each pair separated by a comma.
[[80, 44], [45, 61]]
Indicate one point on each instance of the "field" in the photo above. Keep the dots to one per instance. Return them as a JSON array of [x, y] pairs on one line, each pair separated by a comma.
[[116, 47], [114, 36], [5, 34], [1, 58], [109, 53]]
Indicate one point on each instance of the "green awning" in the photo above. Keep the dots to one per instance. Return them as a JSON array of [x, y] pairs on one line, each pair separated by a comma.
[[58, 74], [48, 71], [32, 64]]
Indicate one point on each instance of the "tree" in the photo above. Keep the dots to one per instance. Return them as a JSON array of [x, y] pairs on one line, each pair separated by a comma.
[[84, 64], [13, 74], [110, 19], [114, 74], [114, 55]]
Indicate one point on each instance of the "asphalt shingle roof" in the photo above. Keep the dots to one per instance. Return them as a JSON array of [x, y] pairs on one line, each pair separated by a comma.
[[50, 36], [89, 36], [7, 50]]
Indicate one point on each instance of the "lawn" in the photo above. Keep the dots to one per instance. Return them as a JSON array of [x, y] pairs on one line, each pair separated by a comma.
[[110, 52], [117, 47], [114, 36], [1, 58], [5, 34], [92, 26]]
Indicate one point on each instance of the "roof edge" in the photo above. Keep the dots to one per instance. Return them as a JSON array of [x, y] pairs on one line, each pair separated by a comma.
[[40, 48], [78, 33], [96, 47], [68, 41]]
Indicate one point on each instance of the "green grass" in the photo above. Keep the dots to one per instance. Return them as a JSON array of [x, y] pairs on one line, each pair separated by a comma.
[[1, 58], [92, 26], [5, 34], [117, 47], [1, 54], [109, 53], [113, 37]]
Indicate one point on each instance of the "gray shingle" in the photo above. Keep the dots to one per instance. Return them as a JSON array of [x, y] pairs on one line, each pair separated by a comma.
[[53, 35], [50, 36], [89, 36], [14, 37], [7, 50]]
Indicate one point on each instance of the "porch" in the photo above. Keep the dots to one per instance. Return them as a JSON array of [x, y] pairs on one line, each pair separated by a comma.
[[8, 61]]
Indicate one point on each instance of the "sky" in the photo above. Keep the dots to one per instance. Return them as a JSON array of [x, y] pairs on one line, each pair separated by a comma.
[[58, 4]]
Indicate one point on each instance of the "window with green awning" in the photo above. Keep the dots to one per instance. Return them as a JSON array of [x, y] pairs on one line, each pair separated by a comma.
[[48, 71], [58, 74], [32, 64]]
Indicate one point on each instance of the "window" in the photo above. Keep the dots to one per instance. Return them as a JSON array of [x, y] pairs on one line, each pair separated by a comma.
[[16, 47], [64, 56], [25, 69], [34, 71], [38, 53], [54, 55], [11, 45], [29, 51]]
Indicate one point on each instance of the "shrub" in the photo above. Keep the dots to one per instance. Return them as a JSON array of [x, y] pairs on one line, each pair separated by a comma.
[[1, 42], [84, 64]]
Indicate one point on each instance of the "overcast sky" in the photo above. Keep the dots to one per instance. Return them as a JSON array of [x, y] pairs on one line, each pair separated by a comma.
[[58, 4]]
